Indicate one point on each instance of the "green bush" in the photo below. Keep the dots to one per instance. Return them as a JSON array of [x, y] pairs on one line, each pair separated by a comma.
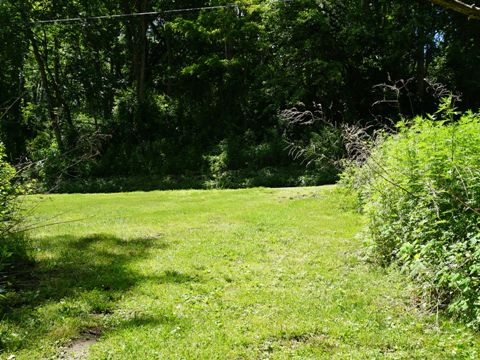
[[12, 249], [420, 190]]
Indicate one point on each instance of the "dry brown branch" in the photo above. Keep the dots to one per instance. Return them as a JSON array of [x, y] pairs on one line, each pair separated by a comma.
[[472, 11]]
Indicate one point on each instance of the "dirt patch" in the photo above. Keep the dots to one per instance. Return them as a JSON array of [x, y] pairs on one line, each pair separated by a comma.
[[80, 348], [289, 342]]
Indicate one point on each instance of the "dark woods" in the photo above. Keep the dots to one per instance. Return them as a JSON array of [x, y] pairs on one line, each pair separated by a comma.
[[199, 94]]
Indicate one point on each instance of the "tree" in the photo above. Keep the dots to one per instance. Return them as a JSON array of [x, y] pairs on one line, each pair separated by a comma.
[[160, 93]]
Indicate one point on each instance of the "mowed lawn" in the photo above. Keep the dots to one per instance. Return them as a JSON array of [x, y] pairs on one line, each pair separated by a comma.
[[234, 274]]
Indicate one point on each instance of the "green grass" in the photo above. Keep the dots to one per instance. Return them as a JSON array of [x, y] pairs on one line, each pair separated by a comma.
[[236, 274]]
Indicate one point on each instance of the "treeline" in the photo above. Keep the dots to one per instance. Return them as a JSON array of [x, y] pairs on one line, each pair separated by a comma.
[[199, 93]]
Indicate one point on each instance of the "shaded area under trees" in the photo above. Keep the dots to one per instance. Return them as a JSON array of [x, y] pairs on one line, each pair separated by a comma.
[[199, 93]]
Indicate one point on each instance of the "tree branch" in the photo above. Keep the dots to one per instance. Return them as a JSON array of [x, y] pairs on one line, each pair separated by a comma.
[[472, 11]]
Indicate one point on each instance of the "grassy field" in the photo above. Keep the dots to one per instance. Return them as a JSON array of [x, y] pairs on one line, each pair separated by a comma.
[[245, 274]]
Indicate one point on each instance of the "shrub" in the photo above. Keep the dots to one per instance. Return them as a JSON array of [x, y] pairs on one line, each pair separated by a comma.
[[420, 190], [12, 249], [314, 140]]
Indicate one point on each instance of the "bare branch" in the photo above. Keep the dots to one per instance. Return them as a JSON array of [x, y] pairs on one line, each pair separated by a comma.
[[472, 11]]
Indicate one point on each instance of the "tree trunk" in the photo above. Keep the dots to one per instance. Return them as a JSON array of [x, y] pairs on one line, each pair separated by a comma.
[[136, 38], [48, 95], [56, 87], [420, 66], [140, 53]]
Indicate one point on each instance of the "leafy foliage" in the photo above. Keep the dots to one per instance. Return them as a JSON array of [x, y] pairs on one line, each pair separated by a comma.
[[158, 94], [12, 245], [420, 190]]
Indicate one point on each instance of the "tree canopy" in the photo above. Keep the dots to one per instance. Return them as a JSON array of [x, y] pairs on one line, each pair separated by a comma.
[[200, 91]]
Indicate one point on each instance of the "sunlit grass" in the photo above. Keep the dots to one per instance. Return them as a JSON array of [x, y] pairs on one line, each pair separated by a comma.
[[246, 274]]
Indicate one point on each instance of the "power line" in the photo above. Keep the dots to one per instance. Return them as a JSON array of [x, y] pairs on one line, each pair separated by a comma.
[[150, 13]]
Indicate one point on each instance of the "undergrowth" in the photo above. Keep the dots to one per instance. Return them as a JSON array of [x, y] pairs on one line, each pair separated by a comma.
[[420, 190]]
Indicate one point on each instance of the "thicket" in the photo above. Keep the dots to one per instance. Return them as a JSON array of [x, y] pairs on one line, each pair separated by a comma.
[[197, 94], [13, 251], [420, 191]]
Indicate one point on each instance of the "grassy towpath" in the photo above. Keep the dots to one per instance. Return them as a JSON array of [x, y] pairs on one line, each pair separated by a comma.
[[235, 274]]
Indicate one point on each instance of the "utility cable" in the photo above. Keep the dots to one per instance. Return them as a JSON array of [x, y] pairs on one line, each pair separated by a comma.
[[149, 13]]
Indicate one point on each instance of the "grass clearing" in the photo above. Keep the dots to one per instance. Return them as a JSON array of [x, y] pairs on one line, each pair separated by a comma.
[[227, 274]]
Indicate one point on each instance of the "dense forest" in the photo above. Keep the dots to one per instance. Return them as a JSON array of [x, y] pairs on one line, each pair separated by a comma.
[[187, 93]]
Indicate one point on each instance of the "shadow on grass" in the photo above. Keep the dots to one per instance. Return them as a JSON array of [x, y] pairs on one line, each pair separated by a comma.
[[268, 176], [74, 265], [146, 322], [80, 280], [175, 277]]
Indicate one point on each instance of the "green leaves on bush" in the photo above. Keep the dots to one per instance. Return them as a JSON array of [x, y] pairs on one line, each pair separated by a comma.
[[420, 190], [8, 192], [12, 244]]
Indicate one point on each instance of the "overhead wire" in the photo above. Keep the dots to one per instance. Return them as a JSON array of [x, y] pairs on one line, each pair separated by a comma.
[[83, 19], [149, 13]]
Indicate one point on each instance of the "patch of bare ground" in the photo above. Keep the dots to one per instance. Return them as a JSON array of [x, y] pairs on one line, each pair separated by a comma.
[[80, 348]]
